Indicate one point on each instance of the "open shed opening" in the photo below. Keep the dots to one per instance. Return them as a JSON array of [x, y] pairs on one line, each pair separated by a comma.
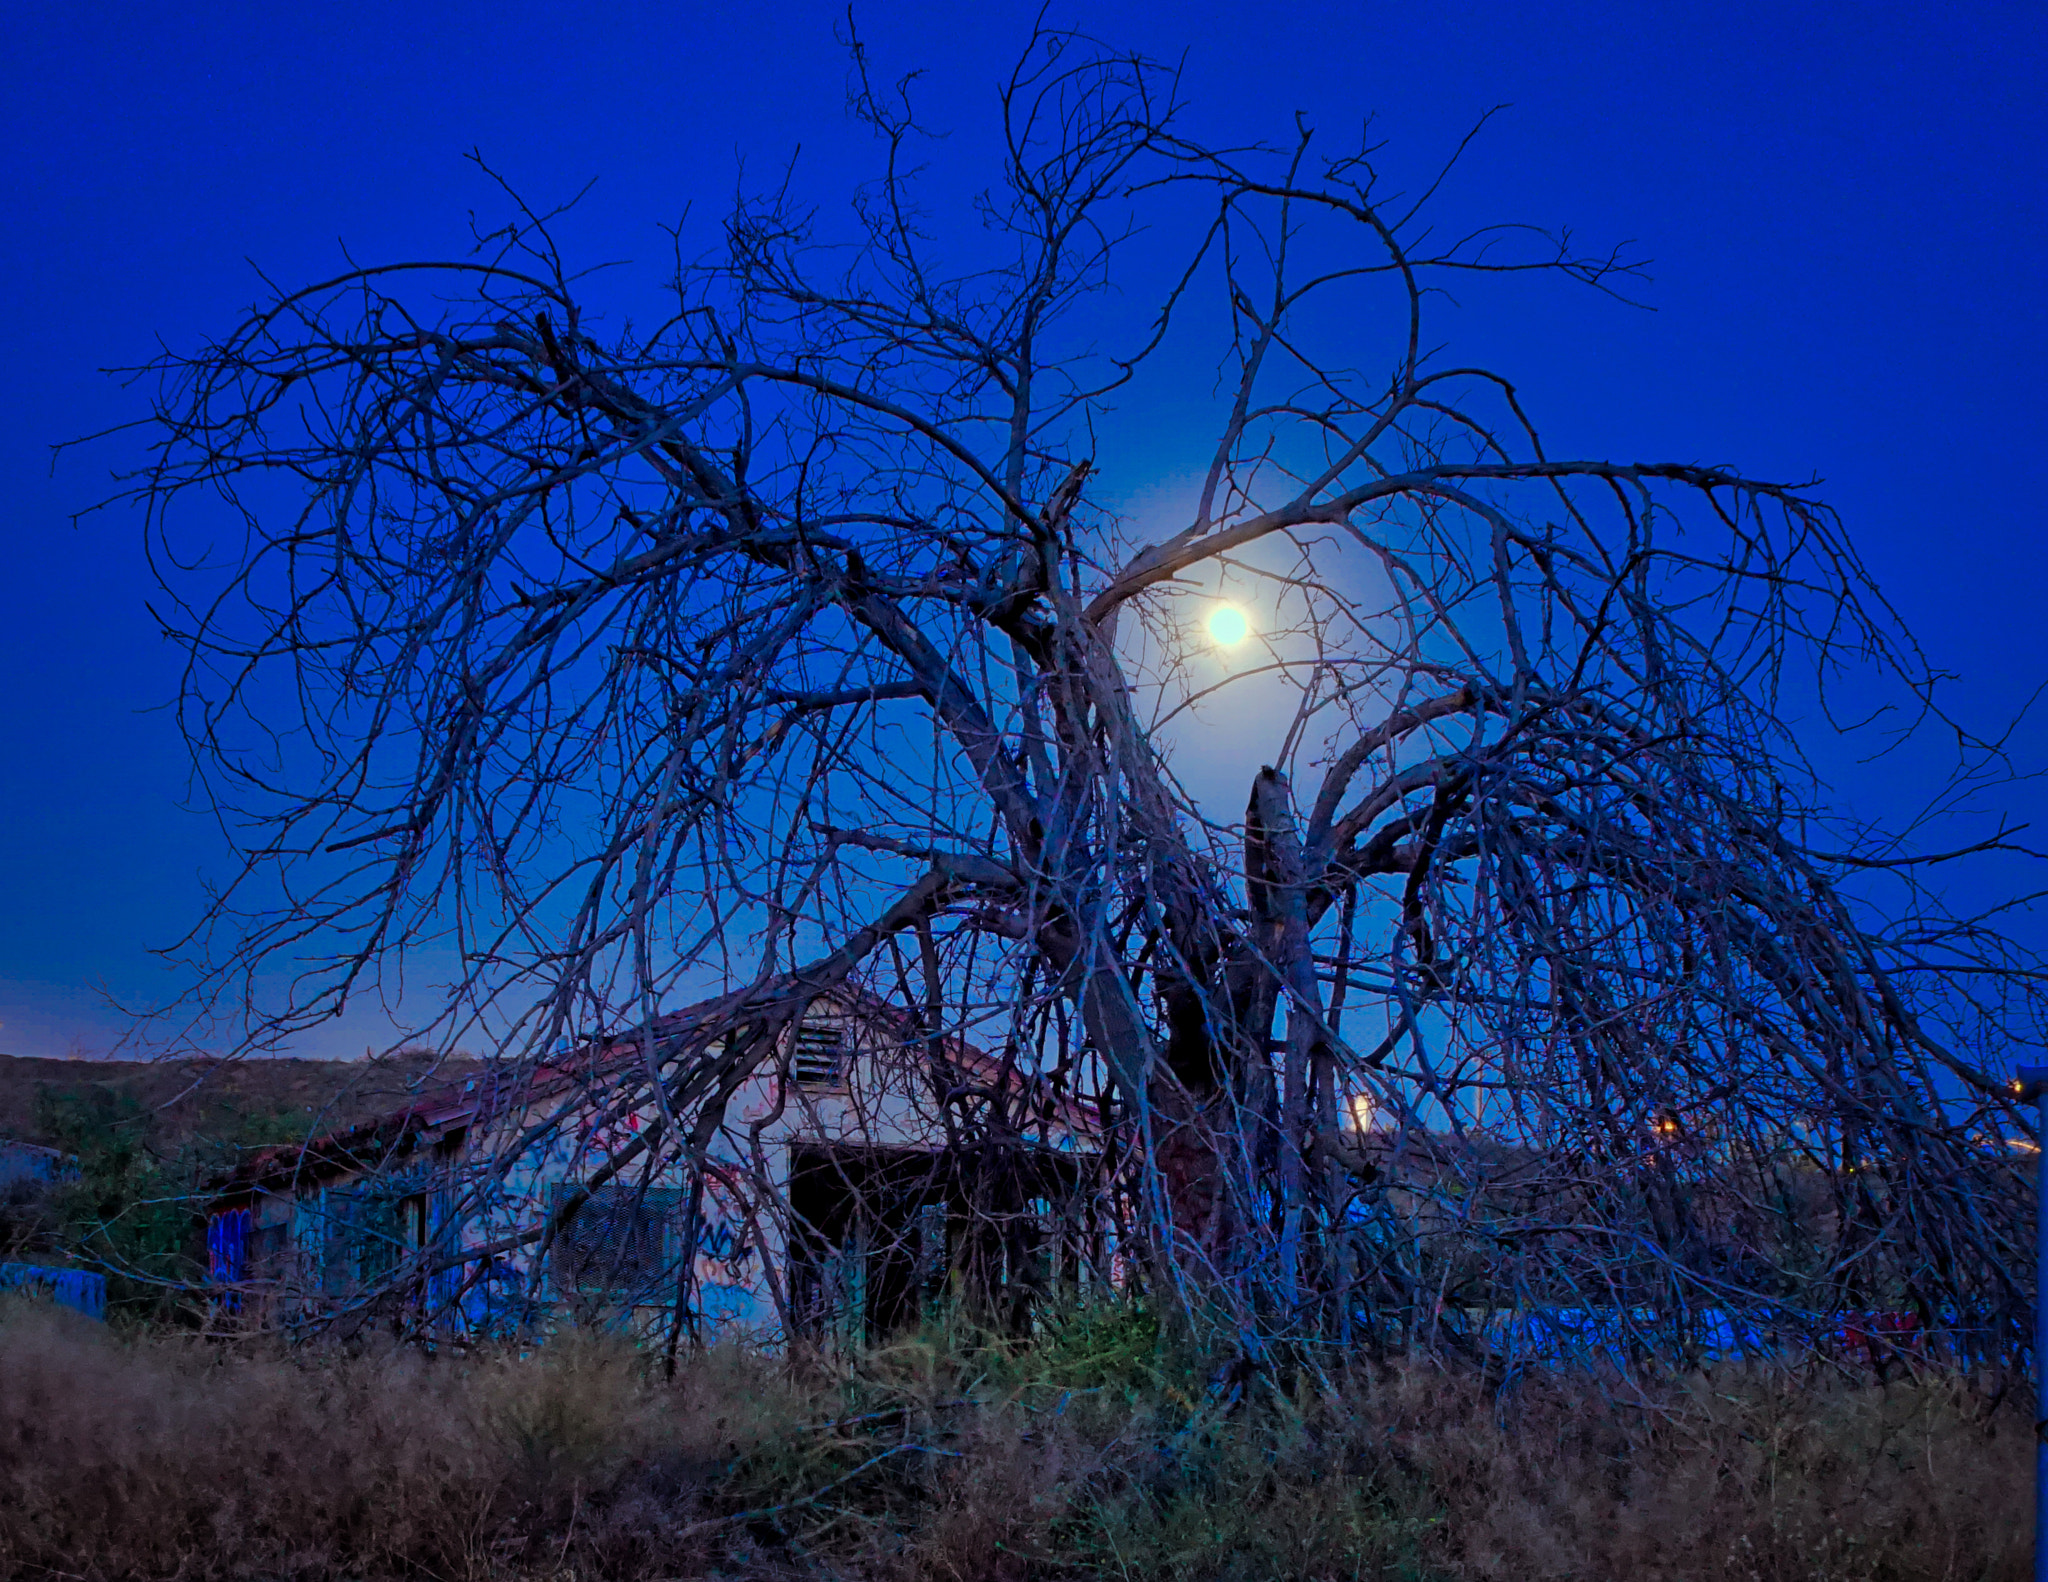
[[882, 1236]]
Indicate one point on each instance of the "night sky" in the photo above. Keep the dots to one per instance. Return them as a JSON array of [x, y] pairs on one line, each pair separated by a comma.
[[1845, 206]]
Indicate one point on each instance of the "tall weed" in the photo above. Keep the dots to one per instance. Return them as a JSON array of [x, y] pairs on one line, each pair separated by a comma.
[[1105, 1450]]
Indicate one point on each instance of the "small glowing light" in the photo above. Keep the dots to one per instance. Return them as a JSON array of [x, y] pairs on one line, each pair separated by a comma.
[[1360, 1109], [1228, 626]]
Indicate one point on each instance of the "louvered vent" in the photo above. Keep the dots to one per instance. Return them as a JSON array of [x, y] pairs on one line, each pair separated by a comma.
[[820, 1058]]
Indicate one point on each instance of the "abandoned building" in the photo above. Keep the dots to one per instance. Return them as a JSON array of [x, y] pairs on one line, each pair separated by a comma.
[[865, 1174]]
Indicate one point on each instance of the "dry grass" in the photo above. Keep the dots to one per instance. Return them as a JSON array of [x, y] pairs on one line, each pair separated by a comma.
[[1092, 1456]]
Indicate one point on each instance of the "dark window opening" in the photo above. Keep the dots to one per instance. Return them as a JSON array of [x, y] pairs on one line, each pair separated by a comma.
[[370, 1235], [869, 1253], [881, 1236], [270, 1251], [620, 1245]]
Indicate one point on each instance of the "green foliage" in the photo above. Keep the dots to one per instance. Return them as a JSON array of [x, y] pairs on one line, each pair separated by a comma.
[[124, 1211], [132, 1210], [1113, 1346]]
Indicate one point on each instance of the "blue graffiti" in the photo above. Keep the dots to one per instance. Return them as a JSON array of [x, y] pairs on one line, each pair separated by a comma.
[[724, 1304], [76, 1289], [227, 1247]]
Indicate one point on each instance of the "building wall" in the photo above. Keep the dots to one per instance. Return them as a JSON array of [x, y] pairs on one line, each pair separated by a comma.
[[315, 1248]]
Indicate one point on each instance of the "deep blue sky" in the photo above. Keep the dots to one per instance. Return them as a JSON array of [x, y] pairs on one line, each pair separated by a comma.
[[1845, 206]]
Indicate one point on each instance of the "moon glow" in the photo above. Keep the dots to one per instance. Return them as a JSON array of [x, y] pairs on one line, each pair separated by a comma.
[[1228, 626]]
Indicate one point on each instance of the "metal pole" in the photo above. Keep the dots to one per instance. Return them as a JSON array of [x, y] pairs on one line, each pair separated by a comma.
[[2034, 1085]]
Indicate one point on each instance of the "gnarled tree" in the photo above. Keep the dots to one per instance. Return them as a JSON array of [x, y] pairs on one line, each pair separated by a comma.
[[792, 642]]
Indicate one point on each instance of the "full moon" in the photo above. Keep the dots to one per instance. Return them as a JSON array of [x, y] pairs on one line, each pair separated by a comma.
[[1228, 626]]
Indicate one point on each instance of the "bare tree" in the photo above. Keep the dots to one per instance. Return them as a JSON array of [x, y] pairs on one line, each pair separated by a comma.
[[789, 643]]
